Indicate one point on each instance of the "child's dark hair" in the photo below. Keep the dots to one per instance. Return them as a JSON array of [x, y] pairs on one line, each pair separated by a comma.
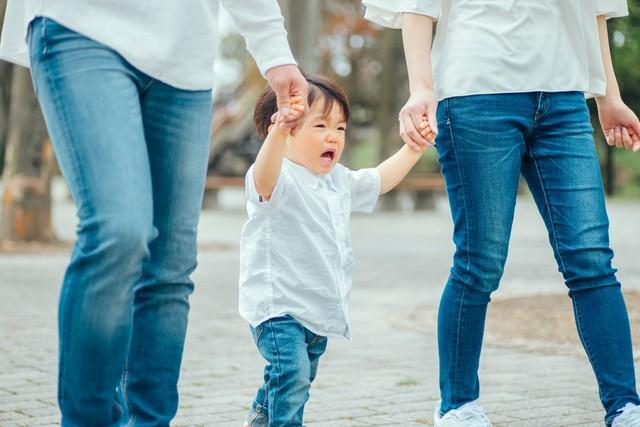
[[320, 88]]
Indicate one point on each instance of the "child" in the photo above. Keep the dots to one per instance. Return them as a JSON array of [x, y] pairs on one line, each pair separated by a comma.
[[296, 258]]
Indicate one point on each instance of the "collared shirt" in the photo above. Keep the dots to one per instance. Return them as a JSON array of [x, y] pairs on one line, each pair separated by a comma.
[[295, 253], [170, 40], [506, 46]]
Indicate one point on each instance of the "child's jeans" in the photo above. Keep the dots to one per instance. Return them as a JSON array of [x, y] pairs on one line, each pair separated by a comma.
[[292, 352]]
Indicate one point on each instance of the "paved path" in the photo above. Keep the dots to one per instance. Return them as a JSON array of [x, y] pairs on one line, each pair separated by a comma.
[[386, 376]]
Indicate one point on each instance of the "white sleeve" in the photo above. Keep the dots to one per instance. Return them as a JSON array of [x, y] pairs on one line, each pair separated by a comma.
[[13, 44], [261, 24], [365, 189], [612, 8], [251, 193], [388, 13]]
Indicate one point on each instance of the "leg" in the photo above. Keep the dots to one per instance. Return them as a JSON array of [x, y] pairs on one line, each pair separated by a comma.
[[283, 343], [89, 97], [316, 346], [259, 413], [177, 130], [562, 169], [480, 147]]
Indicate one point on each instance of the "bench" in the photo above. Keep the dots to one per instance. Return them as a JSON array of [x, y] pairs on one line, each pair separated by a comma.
[[214, 183], [422, 187]]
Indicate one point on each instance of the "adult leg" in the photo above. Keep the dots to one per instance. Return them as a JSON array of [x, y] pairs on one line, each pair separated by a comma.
[[89, 96], [562, 169], [177, 130], [480, 145]]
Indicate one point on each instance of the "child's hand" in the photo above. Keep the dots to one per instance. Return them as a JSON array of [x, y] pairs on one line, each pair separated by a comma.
[[280, 121], [426, 132]]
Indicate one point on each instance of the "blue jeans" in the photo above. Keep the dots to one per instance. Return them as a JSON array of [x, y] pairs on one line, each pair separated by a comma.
[[292, 353], [133, 152], [485, 143]]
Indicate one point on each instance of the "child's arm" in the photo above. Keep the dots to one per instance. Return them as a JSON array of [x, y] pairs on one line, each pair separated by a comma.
[[393, 170], [269, 160]]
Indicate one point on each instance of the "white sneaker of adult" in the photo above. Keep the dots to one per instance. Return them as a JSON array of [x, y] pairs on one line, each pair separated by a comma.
[[468, 415], [629, 416]]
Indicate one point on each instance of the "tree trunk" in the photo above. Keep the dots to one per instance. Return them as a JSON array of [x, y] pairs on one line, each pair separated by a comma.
[[5, 85], [390, 80], [26, 202], [302, 19]]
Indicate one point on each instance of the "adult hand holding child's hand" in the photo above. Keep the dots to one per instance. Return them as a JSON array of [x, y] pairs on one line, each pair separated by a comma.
[[620, 124], [418, 128], [288, 83]]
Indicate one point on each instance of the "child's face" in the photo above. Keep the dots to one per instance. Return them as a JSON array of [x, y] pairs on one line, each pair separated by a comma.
[[319, 142]]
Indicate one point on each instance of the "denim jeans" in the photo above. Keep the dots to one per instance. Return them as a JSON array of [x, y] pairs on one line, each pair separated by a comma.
[[292, 353], [485, 143], [133, 152]]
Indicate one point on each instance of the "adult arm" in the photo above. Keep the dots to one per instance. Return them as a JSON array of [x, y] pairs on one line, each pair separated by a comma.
[[620, 124], [261, 24]]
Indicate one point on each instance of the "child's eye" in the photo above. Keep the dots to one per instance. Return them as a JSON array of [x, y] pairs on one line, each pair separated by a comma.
[[320, 125], [342, 128]]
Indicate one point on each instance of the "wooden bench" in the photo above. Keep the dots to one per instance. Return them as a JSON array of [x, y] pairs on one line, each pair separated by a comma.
[[214, 183], [423, 188]]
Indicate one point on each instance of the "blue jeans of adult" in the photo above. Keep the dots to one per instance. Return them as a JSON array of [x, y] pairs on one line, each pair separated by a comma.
[[485, 143], [133, 152], [293, 353]]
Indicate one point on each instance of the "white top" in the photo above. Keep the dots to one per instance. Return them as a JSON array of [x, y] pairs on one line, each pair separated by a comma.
[[295, 251], [504, 46], [173, 41]]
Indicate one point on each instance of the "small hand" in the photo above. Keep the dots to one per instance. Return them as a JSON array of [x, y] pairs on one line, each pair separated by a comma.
[[279, 120], [620, 124], [288, 82]]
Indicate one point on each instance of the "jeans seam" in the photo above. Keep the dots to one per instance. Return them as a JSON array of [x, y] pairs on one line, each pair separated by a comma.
[[457, 350], [464, 196], [275, 346], [125, 377], [556, 243], [587, 346]]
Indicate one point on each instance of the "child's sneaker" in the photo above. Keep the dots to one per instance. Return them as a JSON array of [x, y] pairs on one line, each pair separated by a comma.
[[468, 415], [629, 416]]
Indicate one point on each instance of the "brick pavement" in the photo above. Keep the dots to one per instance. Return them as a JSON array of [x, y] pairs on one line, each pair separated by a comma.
[[386, 377]]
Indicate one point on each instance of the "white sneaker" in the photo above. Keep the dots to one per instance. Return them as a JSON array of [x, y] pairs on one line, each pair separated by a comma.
[[468, 415], [629, 416]]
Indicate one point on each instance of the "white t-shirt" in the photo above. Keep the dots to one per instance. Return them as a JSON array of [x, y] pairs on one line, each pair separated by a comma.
[[295, 251], [506, 46], [173, 41]]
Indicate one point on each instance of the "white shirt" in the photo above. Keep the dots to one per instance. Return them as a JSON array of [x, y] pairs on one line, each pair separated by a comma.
[[505, 46], [173, 41], [295, 251]]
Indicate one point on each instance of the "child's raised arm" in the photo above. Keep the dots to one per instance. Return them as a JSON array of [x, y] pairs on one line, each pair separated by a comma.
[[393, 170], [269, 160]]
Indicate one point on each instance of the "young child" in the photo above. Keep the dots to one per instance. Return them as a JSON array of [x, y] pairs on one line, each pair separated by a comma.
[[296, 257]]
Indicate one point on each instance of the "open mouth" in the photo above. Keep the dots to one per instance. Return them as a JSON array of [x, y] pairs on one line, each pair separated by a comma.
[[329, 154]]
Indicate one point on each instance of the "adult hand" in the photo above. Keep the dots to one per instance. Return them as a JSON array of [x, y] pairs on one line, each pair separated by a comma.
[[620, 124], [288, 82], [413, 131]]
